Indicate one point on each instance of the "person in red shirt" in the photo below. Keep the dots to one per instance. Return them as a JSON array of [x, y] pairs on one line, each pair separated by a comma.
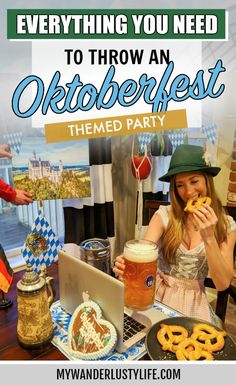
[[9, 194]]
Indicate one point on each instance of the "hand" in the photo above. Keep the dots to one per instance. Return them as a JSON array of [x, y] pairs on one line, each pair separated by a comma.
[[119, 267], [5, 151], [22, 198], [205, 219]]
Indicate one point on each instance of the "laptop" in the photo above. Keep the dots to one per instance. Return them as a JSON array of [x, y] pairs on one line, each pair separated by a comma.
[[77, 279]]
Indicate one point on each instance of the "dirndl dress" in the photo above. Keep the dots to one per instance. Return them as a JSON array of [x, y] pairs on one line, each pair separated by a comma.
[[181, 285]]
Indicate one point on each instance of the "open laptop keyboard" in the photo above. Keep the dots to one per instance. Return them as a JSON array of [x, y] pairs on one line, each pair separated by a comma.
[[131, 327]]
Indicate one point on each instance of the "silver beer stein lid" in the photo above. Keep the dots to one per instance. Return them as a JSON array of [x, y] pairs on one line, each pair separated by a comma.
[[30, 281]]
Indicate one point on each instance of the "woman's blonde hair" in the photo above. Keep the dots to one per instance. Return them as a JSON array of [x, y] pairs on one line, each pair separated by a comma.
[[174, 232]]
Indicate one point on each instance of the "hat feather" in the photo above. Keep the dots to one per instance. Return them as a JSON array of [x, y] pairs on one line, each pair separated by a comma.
[[209, 155]]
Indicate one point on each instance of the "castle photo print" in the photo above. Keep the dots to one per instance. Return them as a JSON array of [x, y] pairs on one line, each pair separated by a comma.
[[52, 171]]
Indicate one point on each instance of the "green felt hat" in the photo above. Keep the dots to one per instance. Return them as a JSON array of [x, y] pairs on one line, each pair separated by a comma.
[[188, 158]]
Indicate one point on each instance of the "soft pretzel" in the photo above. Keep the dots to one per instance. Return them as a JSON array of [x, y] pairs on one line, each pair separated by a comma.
[[193, 204], [210, 345], [171, 335], [206, 355], [216, 346], [184, 353], [208, 337], [199, 346], [165, 337], [207, 331], [179, 332]]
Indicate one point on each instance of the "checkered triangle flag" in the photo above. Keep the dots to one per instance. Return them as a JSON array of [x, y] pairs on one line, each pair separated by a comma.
[[14, 140], [176, 137], [144, 140], [210, 132], [42, 226]]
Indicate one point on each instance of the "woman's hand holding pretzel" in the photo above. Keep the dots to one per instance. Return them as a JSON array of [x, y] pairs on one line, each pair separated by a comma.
[[205, 220]]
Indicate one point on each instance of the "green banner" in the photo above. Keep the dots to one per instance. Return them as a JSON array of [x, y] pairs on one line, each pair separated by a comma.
[[196, 24]]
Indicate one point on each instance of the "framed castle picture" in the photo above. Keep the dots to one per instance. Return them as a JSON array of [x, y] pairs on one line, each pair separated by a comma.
[[52, 171]]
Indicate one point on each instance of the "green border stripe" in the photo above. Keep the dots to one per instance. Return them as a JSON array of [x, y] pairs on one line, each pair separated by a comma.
[[149, 15]]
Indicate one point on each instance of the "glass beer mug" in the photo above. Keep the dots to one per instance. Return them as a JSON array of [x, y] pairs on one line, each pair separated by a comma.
[[140, 273]]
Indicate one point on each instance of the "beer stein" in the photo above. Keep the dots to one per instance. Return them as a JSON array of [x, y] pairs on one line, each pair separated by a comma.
[[34, 327], [140, 273]]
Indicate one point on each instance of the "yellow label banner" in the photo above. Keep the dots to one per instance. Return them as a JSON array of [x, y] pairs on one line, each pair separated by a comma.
[[118, 125]]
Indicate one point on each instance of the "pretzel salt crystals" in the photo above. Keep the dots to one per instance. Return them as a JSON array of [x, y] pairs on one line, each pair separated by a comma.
[[193, 204]]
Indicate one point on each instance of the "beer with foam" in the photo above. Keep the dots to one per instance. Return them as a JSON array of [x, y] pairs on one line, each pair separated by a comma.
[[140, 273]]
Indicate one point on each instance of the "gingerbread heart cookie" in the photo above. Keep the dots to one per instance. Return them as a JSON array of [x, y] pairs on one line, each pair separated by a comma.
[[90, 337]]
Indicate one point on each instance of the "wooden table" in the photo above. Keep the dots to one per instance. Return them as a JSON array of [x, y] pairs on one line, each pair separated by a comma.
[[9, 346]]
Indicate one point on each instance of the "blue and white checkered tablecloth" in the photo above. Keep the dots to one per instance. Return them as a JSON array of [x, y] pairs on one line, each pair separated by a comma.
[[61, 321]]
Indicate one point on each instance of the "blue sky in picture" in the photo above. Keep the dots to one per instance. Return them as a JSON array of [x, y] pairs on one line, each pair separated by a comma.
[[71, 152]]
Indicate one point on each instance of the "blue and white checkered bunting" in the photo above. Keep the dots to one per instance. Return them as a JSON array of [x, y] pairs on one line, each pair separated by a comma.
[[210, 132], [176, 137], [14, 140], [144, 140], [41, 226]]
